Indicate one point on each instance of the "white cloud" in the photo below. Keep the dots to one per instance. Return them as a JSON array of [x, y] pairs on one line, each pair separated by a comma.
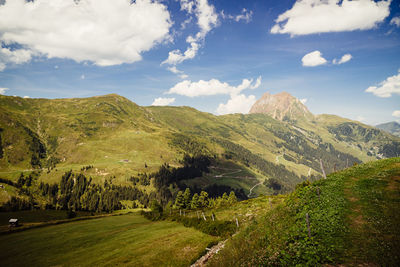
[[303, 100], [211, 87], [82, 76], [18, 56], [387, 87], [361, 119], [245, 15], [237, 104], [175, 57], [163, 101], [207, 19], [313, 59], [186, 22], [395, 21], [345, 58], [101, 31], [26, 96], [180, 73], [3, 90], [396, 113], [187, 5], [318, 16]]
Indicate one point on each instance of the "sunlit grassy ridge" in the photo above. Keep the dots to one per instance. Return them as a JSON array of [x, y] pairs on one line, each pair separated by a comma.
[[120, 138], [354, 220]]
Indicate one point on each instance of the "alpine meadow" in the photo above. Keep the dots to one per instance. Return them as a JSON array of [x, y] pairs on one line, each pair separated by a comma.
[[199, 133]]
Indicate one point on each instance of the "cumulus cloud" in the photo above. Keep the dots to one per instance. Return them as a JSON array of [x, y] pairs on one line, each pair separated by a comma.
[[100, 31], [207, 19], [395, 21], [303, 100], [313, 59], [237, 104], [396, 113], [345, 58], [212, 87], [163, 101], [3, 90], [18, 56], [175, 57], [318, 16], [387, 87]]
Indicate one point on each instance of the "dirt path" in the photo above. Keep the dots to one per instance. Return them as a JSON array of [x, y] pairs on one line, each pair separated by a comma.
[[373, 218], [251, 189], [356, 223], [211, 252]]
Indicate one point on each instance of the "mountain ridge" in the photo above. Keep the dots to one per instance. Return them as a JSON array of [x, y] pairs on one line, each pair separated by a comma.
[[120, 139], [392, 127]]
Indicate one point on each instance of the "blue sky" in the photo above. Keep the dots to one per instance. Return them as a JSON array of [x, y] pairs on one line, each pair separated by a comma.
[[235, 52]]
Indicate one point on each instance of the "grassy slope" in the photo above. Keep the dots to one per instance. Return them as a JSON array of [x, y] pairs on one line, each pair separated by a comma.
[[118, 137], [120, 240], [354, 221]]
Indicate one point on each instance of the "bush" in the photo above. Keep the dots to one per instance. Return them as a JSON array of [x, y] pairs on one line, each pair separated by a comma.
[[214, 228], [71, 214]]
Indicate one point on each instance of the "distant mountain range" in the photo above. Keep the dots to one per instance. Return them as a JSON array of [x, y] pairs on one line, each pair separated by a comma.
[[279, 139], [390, 127]]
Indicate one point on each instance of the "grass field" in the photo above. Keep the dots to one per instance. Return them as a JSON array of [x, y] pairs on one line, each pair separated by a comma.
[[128, 240]]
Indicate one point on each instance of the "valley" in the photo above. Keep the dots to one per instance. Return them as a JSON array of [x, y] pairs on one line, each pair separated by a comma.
[[159, 185]]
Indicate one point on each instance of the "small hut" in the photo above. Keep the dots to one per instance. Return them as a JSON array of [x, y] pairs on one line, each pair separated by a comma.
[[13, 222]]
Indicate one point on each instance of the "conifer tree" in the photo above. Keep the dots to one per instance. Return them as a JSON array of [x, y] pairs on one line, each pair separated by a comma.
[[186, 198], [195, 201], [232, 198], [179, 201], [203, 199]]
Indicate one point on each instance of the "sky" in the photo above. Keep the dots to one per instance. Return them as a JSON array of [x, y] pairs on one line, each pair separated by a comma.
[[338, 56]]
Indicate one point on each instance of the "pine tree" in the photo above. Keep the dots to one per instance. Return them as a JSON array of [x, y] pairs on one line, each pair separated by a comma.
[[232, 198], [186, 198], [179, 201], [203, 199], [195, 201]]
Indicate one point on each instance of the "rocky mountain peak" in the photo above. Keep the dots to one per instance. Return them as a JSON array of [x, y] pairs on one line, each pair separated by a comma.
[[281, 106]]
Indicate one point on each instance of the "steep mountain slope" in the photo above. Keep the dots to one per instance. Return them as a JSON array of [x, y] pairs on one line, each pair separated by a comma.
[[121, 139], [390, 127], [349, 219]]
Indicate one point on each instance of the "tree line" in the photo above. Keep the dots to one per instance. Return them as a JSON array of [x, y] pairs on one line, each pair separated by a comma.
[[185, 200]]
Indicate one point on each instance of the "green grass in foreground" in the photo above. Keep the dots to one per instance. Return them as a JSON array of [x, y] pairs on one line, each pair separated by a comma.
[[129, 240], [355, 222]]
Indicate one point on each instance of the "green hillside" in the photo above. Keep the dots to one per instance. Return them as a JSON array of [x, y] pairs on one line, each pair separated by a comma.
[[352, 215], [111, 138], [353, 220]]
